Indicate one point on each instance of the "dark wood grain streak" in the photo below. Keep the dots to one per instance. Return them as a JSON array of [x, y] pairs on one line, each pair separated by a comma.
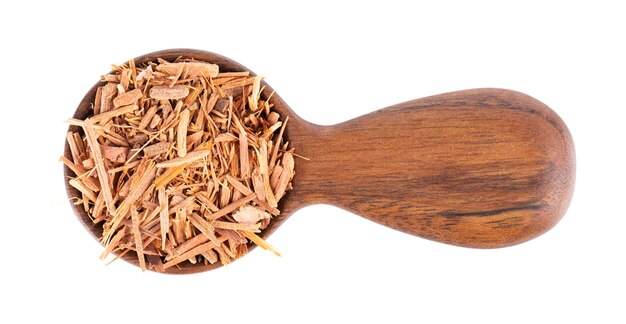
[[478, 168]]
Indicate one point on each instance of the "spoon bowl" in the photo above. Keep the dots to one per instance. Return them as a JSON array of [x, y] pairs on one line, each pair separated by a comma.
[[482, 168]]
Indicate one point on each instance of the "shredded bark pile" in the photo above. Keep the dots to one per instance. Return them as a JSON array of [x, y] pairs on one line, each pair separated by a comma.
[[180, 163]]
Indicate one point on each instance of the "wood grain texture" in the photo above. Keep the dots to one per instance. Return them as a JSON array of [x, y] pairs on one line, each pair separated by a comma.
[[478, 168]]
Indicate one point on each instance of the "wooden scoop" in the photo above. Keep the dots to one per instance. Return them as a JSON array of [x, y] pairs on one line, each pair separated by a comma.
[[481, 168]]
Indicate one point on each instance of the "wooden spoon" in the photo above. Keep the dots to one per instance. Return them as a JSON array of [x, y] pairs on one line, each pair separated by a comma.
[[481, 168]]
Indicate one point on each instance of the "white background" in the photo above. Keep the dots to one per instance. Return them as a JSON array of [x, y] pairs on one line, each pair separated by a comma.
[[330, 62]]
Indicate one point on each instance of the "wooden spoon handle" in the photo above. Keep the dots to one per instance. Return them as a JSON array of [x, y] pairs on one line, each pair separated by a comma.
[[478, 168]]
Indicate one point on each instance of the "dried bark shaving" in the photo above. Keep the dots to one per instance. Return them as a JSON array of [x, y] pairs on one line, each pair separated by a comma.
[[180, 163]]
